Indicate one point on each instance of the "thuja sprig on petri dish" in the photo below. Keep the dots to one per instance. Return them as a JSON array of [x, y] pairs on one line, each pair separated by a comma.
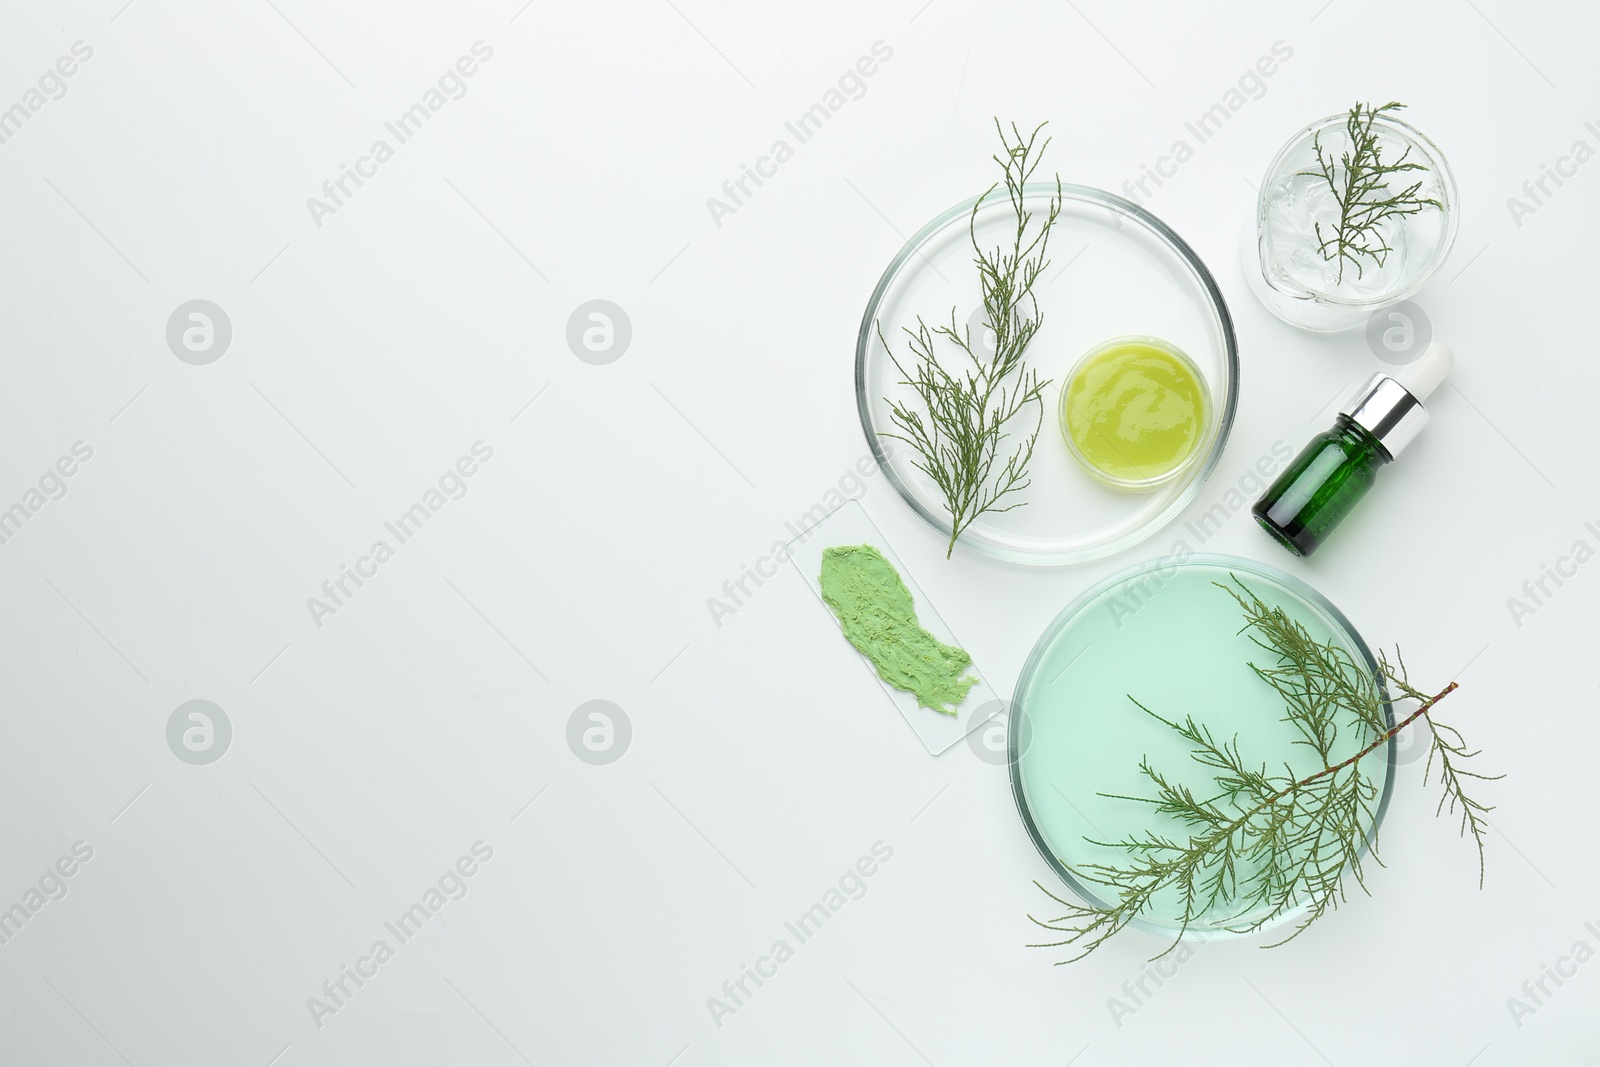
[[1261, 843], [1361, 183], [961, 421]]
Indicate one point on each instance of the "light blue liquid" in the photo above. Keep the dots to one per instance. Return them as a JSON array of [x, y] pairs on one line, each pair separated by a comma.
[[1171, 640]]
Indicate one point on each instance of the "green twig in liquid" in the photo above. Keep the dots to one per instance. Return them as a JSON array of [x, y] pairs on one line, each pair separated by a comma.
[[1359, 180]]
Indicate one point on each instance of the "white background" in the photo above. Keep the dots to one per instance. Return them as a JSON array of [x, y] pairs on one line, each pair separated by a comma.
[[372, 351]]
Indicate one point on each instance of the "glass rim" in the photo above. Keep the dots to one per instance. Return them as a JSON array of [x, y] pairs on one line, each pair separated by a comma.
[[1018, 713]]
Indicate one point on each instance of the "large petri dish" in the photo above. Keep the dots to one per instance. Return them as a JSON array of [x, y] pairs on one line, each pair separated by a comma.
[[1163, 633], [1115, 269]]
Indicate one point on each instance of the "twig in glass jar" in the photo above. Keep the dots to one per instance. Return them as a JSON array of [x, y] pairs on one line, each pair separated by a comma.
[[1359, 181]]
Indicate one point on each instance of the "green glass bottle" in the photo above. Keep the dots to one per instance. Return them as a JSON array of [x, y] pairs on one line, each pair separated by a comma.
[[1334, 471], [1321, 486]]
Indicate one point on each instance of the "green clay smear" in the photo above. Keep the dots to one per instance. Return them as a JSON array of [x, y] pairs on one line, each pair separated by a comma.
[[875, 610]]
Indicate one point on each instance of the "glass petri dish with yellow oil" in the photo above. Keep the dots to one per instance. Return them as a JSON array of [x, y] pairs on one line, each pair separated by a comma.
[[1115, 269]]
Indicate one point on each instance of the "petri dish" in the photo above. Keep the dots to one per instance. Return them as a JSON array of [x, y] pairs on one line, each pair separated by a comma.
[[1164, 634], [1115, 270]]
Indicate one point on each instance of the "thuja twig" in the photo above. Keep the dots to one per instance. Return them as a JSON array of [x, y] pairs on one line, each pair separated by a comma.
[[961, 419], [1266, 843], [1359, 181], [1450, 751]]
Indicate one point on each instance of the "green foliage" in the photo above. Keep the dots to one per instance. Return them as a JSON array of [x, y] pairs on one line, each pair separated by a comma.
[[1359, 180], [961, 419], [1264, 842]]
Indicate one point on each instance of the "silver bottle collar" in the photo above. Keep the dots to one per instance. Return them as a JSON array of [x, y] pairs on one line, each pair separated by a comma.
[[1388, 411]]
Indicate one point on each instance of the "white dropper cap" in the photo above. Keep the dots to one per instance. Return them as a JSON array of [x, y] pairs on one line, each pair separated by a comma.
[[1391, 406], [1428, 371]]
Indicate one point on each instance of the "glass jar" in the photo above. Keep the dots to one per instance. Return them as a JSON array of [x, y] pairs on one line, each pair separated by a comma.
[[1282, 262]]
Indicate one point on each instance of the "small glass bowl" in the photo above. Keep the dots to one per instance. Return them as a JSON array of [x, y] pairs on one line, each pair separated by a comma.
[[1295, 299], [1106, 477]]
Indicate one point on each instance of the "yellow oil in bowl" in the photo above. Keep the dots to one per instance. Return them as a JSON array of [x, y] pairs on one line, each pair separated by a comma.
[[1134, 412]]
